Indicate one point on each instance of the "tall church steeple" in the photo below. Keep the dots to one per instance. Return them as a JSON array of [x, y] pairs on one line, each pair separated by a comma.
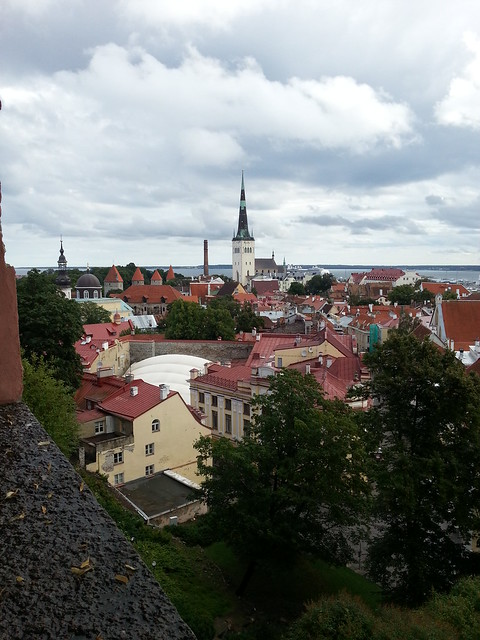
[[243, 245], [242, 232]]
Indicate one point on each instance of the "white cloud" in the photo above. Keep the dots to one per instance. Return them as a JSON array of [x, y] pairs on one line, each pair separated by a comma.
[[461, 105]]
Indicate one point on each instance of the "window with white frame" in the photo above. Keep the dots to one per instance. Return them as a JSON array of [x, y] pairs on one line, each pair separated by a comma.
[[156, 425], [119, 478], [150, 449], [99, 427], [149, 470], [228, 423], [118, 457]]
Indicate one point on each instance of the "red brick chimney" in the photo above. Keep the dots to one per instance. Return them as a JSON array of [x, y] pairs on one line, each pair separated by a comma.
[[205, 257]]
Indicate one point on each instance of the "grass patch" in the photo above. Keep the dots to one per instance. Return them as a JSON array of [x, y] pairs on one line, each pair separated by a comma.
[[200, 577]]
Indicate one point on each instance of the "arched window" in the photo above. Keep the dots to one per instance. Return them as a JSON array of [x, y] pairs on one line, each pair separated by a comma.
[[85, 294], [95, 294], [156, 425]]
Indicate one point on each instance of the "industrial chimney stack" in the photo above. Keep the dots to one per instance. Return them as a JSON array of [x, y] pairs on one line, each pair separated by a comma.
[[205, 257]]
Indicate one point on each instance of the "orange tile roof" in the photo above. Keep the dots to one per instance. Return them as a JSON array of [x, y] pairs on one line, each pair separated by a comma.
[[170, 274], [156, 277], [113, 275], [138, 275]]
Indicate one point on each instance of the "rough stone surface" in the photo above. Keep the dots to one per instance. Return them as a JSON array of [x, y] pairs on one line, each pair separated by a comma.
[[215, 350], [49, 523]]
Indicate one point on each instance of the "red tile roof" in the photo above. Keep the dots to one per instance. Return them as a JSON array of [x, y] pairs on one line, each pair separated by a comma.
[[442, 287], [225, 377], [461, 321], [97, 389], [170, 274], [128, 406], [152, 293]]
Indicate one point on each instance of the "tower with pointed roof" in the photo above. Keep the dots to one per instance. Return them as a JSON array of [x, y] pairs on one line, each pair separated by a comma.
[[113, 281], [62, 280], [243, 245]]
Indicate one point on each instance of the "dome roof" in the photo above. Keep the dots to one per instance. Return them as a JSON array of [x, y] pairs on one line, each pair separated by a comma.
[[88, 281]]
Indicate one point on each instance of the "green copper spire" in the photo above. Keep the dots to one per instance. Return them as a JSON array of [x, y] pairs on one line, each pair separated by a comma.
[[242, 232]]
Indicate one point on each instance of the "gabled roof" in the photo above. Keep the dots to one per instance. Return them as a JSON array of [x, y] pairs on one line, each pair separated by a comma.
[[242, 298], [265, 264], [152, 293], [230, 288], [95, 336], [138, 275], [125, 405], [113, 275], [461, 320], [97, 389]]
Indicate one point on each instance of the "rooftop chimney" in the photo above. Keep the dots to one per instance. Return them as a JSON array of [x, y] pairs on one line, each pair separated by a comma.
[[164, 391], [205, 257]]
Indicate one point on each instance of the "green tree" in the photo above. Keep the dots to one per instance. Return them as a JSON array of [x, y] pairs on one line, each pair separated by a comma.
[[295, 481], [51, 402], [184, 321], [217, 323], [427, 419], [296, 289], [93, 313], [247, 319], [403, 294], [320, 284], [49, 326]]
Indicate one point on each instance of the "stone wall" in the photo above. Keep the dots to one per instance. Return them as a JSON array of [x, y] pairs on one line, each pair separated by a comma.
[[214, 350], [66, 570]]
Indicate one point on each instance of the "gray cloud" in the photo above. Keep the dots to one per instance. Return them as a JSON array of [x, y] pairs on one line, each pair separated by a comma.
[[128, 133]]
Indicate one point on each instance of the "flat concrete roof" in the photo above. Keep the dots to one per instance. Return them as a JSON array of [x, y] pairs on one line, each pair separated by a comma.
[[156, 494]]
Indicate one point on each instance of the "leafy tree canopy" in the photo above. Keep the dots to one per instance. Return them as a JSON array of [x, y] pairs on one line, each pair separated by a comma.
[[427, 421], [49, 326], [51, 403], [189, 321], [295, 481], [93, 313], [320, 284], [296, 289]]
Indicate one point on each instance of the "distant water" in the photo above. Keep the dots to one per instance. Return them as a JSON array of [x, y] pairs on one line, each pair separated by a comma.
[[450, 273]]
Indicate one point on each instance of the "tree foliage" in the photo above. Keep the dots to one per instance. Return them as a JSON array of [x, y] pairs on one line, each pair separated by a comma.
[[49, 326], [51, 402], [296, 289], [320, 284], [295, 481], [427, 422], [189, 321], [93, 313]]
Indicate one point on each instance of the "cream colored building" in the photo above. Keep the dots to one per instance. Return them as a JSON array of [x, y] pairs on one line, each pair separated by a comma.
[[140, 430]]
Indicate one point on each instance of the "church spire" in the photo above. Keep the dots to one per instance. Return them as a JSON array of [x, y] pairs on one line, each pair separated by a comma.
[[243, 233]]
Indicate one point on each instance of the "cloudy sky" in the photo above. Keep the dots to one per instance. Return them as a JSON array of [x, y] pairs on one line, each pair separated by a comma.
[[126, 125]]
